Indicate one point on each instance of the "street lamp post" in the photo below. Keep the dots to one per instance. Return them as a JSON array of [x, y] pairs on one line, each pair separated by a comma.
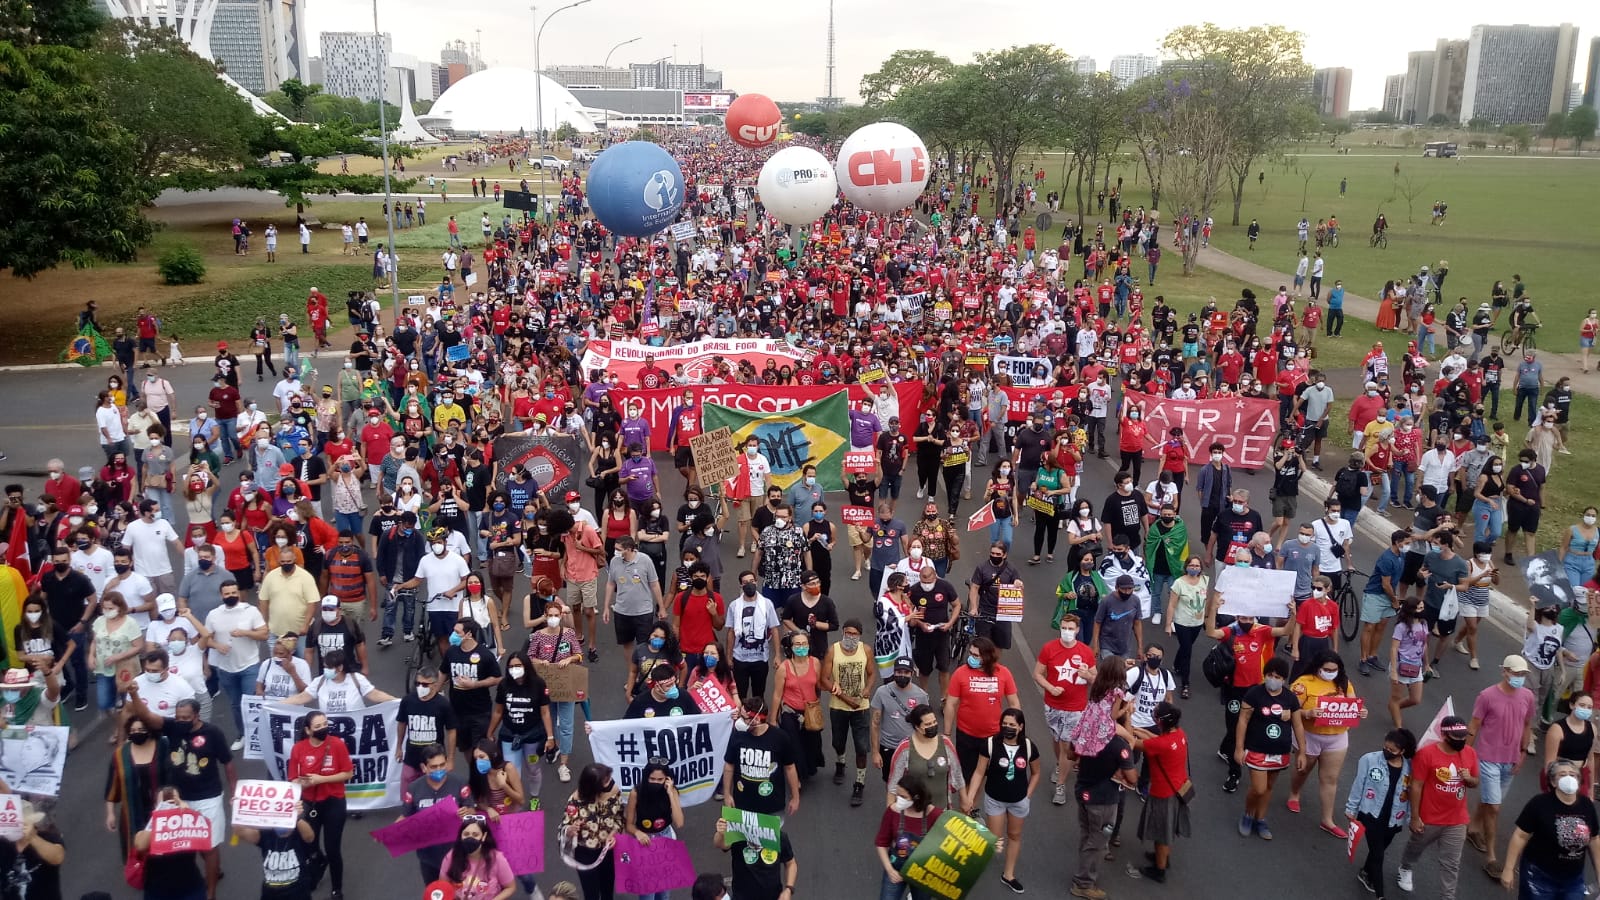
[[603, 67], [391, 265], [538, 72]]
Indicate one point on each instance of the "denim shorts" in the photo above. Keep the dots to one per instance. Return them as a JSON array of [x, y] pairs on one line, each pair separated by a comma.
[[1495, 778]]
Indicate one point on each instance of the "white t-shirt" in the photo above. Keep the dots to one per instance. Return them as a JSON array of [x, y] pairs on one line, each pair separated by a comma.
[[108, 418], [275, 679], [243, 653], [751, 620], [1153, 690], [341, 696], [148, 541], [96, 564], [1435, 468], [135, 588], [440, 574], [1329, 533], [759, 470], [162, 696], [187, 667]]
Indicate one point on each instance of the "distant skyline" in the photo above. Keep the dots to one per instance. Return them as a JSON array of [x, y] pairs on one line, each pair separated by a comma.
[[785, 59]]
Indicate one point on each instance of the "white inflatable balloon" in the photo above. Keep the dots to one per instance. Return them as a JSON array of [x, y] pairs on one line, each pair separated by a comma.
[[882, 167], [797, 185]]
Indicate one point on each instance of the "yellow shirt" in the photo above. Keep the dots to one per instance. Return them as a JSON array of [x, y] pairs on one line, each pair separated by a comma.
[[1307, 689], [445, 413]]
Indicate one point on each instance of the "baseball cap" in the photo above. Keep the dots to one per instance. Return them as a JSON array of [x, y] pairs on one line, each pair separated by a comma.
[[74, 510], [330, 602], [222, 345], [572, 496], [1515, 663], [1454, 724], [1125, 581], [165, 602], [905, 662]]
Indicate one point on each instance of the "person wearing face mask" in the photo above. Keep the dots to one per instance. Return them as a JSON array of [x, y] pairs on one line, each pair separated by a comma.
[[1578, 546], [904, 825], [1380, 803], [1440, 774], [1062, 671], [759, 771], [651, 534], [891, 710], [928, 755], [474, 864], [434, 785], [288, 597], [746, 489], [134, 780], [1326, 742], [335, 631], [320, 763], [1543, 854], [977, 695], [1572, 737], [844, 677], [1006, 775], [796, 691], [427, 721], [1213, 484], [1267, 735], [661, 696], [1252, 644], [1501, 729], [339, 687]]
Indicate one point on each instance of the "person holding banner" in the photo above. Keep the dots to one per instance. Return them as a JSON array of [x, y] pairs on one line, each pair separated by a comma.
[[320, 763], [287, 858], [1326, 742], [904, 824], [1379, 803], [474, 865], [654, 810], [200, 759], [171, 876]]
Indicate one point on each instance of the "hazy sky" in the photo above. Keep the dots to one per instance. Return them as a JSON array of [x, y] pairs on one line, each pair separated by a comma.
[[780, 49]]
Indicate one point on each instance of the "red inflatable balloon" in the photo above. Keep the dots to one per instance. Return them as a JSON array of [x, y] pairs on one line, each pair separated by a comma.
[[753, 121]]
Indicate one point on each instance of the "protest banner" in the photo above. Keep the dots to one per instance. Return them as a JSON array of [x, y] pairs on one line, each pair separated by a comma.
[[1251, 591], [179, 830], [710, 697], [891, 637], [626, 358], [759, 829], [715, 460], [951, 857], [1338, 712], [1024, 400], [856, 515], [1040, 505], [430, 827], [250, 709], [470, 279], [11, 824], [814, 434], [1008, 604], [33, 758], [458, 353], [1024, 371], [1245, 427], [265, 804], [520, 836], [552, 459], [566, 684], [1353, 839], [869, 374], [683, 231], [660, 866], [658, 405], [370, 734], [978, 360], [1547, 581], [860, 461], [691, 746], [416, 300]]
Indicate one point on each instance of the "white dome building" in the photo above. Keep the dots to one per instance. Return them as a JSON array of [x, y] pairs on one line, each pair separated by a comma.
[[500, 100]]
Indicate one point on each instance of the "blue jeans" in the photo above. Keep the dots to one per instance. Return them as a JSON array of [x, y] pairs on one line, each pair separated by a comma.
[[1402, 477], [1000, 531], [1486, 523], [78, 670], [1383, 492], [1537, 884], [230, 438], [235, 685], [1580, 568], [1159, 585], [351, 521], [1491, 396], [106, 692], [408, 618], [1350, 515], [892, 891], [561, 717], [1529, 395], [1425, 338], [163, 497]]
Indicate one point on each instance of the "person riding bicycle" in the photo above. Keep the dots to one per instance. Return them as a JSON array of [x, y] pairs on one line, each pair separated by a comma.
[[1524, 321], [1380, 225]]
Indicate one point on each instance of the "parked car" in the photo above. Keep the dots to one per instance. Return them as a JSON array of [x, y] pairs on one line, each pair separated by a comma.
[[550, 162]]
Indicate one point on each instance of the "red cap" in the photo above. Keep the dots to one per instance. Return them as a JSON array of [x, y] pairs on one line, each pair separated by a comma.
[[222, 345], [74, 510], [571, 496], [286, 469]]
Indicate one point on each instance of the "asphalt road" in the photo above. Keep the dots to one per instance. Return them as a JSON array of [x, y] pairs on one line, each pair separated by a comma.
[[49, 414]]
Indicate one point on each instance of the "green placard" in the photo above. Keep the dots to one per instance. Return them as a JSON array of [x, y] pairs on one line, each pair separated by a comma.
[[951, 857], [758, 828]]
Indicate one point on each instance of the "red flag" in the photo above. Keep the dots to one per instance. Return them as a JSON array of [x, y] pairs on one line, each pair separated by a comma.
[[982, 518], [17, 550]]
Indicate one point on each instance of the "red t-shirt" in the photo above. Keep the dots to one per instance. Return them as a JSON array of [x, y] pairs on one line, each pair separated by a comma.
[[980, 698], [331, 758], [1444, 797], [1317, 618], [694, 623], [1168, 755], [1061, 664], [1250, 652]]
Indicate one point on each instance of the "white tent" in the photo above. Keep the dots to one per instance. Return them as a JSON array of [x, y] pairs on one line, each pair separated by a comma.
[[500, 100]]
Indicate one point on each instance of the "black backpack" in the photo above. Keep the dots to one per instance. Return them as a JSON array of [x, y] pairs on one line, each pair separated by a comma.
[[1219, 664]]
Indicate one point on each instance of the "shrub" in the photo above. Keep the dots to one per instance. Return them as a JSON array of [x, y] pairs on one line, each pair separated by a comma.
[[182, 264]]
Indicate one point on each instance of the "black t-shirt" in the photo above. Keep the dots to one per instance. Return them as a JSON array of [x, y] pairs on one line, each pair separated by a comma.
[[382, 522], [804, 616], [892, 448], [198, 757], [1286, 478], [344, 635], [1009, 769], [66, 597], [426, 721], [861, 491], [309, 467], [478, 663], [522, 703], [1234, 529], [1125, 515], [1559, 834], [24, 876], [283, 860], [1095, 773], [476, 480], [760, 783], [935, 601], [1270, 729], [754, 878], [986, 576], [1031, 446], [53, 644]]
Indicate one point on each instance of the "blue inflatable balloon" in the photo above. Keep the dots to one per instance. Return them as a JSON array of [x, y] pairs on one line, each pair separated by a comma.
[[635, 188]]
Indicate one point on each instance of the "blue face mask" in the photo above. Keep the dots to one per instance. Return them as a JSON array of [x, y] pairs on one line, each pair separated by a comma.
[[1583, 712], [483, 766], [438, 776], [671, 693], [1517, 681], [802, 652], [974, 662], [455, 638], [499, 507], [1242, 563], [818, 516], [657, 643]]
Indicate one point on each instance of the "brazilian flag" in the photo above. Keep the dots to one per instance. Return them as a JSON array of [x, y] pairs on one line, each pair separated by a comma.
[[87, 348], [815, 434]]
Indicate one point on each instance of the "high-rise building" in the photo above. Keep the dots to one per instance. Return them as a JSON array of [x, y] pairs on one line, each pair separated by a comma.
[[1574, 97], [612, 78], [1418, 91], [1449, 76], [1084, 65], [1518, 74], [1127, 69], [1591, 82], [1394, 88], [314, 70], [463, 54], [238, 43], [350, 63], [676, 76], [1330, 89]]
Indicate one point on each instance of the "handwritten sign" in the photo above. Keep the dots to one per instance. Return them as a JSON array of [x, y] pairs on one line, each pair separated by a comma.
[[567, 684], [520, 837], [711, 698], [179, 831], [715, 459], [856, 515], [759, 829], [1338, 712], [860, 461], [1008, 604], [660, 866], [266, 804], [951, 857], [438, 824], [1249, 591]]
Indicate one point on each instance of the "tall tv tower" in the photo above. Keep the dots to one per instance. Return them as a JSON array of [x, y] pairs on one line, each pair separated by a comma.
[[832, 100]]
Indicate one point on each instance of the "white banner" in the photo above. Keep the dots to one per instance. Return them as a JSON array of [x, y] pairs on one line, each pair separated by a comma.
[[1025, 371], [370, 734], [1249, 591], [265, 804], [692, 746], [33, 758], [600, 353], [250, 709]]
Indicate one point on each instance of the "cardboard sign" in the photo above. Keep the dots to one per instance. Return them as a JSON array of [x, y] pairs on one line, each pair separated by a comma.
[[11, 817], [874, 372], [951, 857], [437, 824], [757, 828], [661, 866], [179, 831], [1039, 504], [1249, 591], [567, 684], [857, 515], [265, 804], [711, 698], [1008, 604], [1338, 712], [715, 460], [860, 461]]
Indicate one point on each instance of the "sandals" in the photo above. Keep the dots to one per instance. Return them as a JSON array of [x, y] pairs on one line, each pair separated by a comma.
[[1033, 561]]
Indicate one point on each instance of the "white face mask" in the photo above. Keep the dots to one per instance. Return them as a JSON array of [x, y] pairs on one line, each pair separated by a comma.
[[1069, 636], [34, 617], [1567, 784], [901, 804], [1588, 520], [422, 691], [438, 549], [516, 672], [916, 552], [282, 542], [329, 615], [1305, 539], [552, 621]]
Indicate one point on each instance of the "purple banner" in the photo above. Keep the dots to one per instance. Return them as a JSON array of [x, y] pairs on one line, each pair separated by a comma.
[[663, 865], [438, 824]]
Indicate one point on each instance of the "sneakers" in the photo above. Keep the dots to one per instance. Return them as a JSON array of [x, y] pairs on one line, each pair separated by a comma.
[[1403, 879], [858, 796], [919, 493], [838, 773], [1224, 757], [1473, 664], [1056, 778], [236, 746], [1151, 873], [1231, 784], [1089, 892], [1462, 649], [1014, 884], [386, 641], [1059, 798], [408, 637], [564, 773], [1362, 668], [1361, 876], [1247, 825], [1376, 664], [1262, 831]]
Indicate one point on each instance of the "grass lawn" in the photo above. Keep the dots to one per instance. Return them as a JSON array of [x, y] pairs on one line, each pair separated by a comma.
[[1507, 215]]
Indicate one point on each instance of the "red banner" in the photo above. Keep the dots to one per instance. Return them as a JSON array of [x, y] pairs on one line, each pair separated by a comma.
[[179, 831], [860, 461], [1244, 427], [1021, 399], [1338, 712], [660, 403]]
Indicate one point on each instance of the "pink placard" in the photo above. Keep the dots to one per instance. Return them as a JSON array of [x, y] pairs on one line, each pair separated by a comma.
[[521, 838], [711, 697], [664, 865], [857, 515], [438, 824], [179, 831]]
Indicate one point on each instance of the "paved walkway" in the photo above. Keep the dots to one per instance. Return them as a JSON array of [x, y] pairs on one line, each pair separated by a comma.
[[1366, 309]]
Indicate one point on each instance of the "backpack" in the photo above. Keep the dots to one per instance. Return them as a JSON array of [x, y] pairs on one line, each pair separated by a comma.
[[1219, 664]]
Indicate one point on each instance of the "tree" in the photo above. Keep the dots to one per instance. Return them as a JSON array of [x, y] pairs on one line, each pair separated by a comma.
[[1479, 123], [1009, 95], [297, 93], [1185, 140], [68, 192], [566, 132], [903, 69], [1256, 77], [1094, 119], [1555, 128], [1581, 125], [1439, 119], [1410, 188], [180, 114], [1521, 137]]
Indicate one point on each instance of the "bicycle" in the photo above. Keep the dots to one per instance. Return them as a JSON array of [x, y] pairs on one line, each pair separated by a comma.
[[422, 647], [962, 633], [1514, 339], [1379, 240], [1350, 605]]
